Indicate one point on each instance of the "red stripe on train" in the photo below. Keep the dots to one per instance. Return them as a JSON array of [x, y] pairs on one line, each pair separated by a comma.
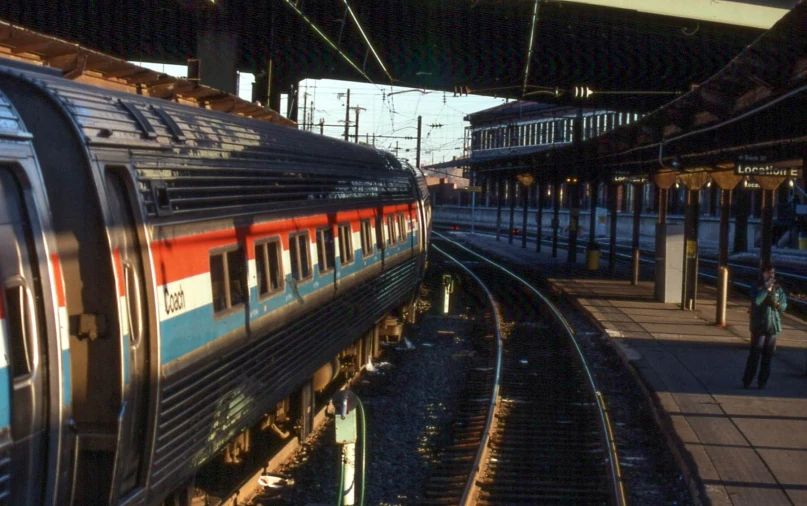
[[119, 272], [57, 279], [181, 258]]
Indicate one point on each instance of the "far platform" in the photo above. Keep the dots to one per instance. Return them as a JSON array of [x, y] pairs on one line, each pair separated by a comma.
[[738, 446]]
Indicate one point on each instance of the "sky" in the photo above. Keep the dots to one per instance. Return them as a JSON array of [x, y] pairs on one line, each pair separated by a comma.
[[389, 112]]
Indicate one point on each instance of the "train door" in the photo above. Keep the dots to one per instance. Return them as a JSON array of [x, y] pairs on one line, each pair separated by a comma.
[[25, 350], [130, 468]]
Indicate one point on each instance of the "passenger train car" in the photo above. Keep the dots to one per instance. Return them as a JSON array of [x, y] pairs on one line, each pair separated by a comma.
[[173, 276]]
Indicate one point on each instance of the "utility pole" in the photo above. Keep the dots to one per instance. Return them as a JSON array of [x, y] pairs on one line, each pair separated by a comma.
[[322, 126], [417, 157], [305, 110], [311, 118], [356, 126], [347, 116]]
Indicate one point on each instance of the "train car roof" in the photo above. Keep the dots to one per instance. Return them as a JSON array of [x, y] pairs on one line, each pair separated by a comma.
[[195, 164], [11, 126], [108, 118]]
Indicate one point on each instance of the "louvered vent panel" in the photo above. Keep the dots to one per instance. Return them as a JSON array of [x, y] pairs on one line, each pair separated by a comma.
[[236, 190], [8, 119], [205, 407], [5, 480]]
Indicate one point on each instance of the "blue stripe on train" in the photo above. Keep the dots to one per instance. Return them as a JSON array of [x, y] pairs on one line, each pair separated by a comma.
[[127, 357], [67, 390], [196, 328], [5, 389], [5, 397]]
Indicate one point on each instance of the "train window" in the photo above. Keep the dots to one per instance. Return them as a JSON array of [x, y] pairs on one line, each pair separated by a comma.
[[325, 249], [269, 267], [401, 227], [414, 222], [345, 244], [300, 256], [366, 238], [228, 279], [391, 235]]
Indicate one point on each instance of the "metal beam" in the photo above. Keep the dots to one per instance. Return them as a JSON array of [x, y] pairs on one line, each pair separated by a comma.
[[328, 41], [535, 9], [733, 13], [367, 40]]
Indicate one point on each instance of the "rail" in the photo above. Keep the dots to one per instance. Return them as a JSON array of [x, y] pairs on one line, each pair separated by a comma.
[[612, 462], [470, 486]]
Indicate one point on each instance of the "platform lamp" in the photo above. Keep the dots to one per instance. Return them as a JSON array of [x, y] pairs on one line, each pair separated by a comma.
[[573, 189], [526, 179]]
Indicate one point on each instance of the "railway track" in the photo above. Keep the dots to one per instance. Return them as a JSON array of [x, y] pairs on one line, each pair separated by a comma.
[[742, 275], [534, 429]]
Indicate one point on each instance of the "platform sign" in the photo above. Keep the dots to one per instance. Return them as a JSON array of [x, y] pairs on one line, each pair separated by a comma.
[[619, 179], [476, 189], [759, 165]]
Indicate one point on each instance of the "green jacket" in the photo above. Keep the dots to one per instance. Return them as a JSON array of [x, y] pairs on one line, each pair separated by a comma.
[[766, 308]]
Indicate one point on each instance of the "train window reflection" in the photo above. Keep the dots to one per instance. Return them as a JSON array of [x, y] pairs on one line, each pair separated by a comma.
[[345, 244], [228, 279], [391, 235], [325, 249], [401, 228], [300, 256], [269, 268], [366, 238]]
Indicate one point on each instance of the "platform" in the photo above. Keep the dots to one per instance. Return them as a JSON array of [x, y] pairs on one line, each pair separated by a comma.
[[737, 446]]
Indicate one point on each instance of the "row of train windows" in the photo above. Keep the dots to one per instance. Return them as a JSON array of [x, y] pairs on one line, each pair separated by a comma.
[[228, 267]]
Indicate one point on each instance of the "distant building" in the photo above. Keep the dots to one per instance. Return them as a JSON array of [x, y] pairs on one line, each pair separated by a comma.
[[521, 128], [444, 192]]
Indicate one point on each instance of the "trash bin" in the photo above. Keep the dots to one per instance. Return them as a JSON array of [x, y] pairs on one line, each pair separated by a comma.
[[592, 258]]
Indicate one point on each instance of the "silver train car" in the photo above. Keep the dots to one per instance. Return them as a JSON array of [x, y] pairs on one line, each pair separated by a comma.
[[171, 275]]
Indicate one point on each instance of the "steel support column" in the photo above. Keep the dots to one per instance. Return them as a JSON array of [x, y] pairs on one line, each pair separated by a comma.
[[742, 208], [767, 226], [525, 199], [512, 194], [663, 203], [725, 222], [217, 49], [592, 221], [555, 219], [574, 221], [613, 191], [638, 198], [689, 293], [539, 216], [499, 200]]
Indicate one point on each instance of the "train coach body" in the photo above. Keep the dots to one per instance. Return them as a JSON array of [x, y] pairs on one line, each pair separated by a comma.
[[210, 263], [35, 397]]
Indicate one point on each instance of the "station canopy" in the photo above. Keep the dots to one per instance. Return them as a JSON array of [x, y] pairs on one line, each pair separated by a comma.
[[632, 54]]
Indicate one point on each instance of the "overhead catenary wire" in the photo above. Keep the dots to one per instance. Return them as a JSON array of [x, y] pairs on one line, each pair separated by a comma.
[[327, 40]]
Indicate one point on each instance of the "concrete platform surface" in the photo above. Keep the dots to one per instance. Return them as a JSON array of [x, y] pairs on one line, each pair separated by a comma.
[[742, 447]]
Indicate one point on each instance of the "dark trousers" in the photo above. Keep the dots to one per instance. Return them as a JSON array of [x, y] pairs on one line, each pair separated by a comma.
[[761, 344]]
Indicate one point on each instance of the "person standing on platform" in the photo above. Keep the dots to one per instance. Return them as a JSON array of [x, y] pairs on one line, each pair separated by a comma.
[[768, 301]]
